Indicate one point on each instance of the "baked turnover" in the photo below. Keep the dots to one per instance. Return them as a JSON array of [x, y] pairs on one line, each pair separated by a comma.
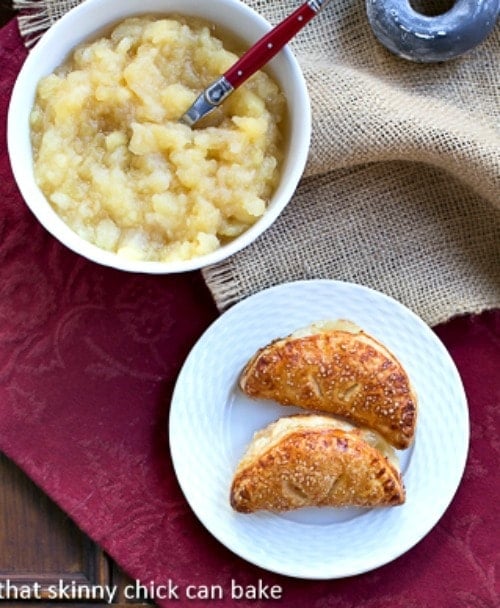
[[314, 460], [337, 368]]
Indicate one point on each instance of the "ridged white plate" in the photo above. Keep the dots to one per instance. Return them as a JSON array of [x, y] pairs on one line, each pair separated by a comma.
[[211, 422]]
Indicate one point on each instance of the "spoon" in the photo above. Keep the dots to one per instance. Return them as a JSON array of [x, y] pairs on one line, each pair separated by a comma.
[[251, 61]]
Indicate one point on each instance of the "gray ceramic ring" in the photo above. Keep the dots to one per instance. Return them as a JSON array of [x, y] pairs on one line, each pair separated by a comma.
[[417, 37]]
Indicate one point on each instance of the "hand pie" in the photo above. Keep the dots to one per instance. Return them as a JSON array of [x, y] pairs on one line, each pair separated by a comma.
[[311, 460], [339, 369]]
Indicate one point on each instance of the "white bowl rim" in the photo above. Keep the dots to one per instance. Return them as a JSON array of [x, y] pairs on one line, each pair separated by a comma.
[[49, 219]]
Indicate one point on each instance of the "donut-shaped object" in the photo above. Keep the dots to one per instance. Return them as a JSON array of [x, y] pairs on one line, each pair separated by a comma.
[[417, 37]]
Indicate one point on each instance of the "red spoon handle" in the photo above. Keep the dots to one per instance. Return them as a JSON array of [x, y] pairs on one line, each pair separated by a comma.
[[259, 54], [268, 46]]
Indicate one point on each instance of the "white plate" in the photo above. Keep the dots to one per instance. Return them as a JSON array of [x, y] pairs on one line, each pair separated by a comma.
[[211, 422]]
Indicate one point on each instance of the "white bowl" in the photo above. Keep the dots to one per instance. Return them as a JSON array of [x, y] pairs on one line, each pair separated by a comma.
[[91, 17]]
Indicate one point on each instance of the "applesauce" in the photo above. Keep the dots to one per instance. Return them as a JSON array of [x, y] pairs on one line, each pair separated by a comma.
[[123, 173]]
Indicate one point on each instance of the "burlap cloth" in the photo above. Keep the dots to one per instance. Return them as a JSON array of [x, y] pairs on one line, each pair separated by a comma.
[[400, 191]]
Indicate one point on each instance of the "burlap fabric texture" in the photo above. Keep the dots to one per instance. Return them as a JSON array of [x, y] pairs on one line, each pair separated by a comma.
[[401, 189]]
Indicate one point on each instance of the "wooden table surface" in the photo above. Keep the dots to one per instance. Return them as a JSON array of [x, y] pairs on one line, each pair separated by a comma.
[[40, 548], [6, 11]]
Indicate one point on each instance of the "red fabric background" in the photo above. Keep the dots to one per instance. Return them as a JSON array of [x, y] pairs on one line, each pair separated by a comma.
[[88, 361]]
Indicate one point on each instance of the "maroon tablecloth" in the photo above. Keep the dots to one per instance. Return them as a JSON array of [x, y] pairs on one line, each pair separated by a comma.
[[88, 360]]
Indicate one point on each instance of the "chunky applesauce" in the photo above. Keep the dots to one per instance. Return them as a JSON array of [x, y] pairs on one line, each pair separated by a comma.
[[122, 172]]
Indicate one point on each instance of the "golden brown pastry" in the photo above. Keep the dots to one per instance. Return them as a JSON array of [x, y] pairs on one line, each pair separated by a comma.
[[339, 369], [313, 460]]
